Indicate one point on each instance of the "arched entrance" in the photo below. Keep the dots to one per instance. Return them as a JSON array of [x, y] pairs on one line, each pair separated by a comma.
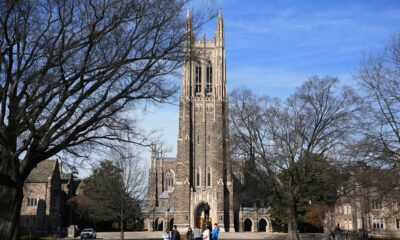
[[158, 225], [199, 215], [262, 225], [247, 225]]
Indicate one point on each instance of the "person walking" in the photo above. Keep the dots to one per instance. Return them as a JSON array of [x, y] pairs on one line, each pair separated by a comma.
[[337, 232], [175, 234], [215, 232], [165, 234], [197, 233], [189, 234], [207, 233]]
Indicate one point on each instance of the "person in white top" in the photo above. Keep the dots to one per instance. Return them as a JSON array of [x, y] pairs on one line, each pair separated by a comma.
[[165, 234], [197, 233], [207, 233]]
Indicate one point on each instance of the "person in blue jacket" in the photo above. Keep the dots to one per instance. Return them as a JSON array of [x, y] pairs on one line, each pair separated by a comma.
[[215, 232]]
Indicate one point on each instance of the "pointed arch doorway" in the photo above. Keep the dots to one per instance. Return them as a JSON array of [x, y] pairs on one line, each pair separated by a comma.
[[199, 215]]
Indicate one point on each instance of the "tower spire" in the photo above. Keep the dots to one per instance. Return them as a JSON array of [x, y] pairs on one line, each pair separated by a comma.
[[189, 28], [219, 31]]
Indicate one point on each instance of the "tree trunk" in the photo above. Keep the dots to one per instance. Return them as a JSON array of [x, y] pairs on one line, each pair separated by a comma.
[[122, 230], [10, 209], [293, 233]]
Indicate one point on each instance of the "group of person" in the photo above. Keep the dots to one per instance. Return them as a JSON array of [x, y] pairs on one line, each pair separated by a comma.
[[208, 234]]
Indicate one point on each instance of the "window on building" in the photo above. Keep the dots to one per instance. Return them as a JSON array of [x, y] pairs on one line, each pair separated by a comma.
[[169, 179], [377, 203], [378, 223], [348, 224], [395, 205], [339, 209], [359, 223], [347, 209], [198, 80], [31, 202], [208, 176], [198, 180], [209, 78]]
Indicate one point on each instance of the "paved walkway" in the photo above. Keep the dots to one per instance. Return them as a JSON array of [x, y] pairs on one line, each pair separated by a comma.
[[223, 236]]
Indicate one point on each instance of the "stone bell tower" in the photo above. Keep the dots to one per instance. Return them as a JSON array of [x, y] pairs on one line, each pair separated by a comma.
[[203, 164]]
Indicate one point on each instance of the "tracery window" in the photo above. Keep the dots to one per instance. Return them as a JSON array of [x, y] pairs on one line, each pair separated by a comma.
[[209, 174], [169, 179], [198, 173], [31, 202], [378, 223], [377, 204], [198, 79], [209, 78], [347, 209]]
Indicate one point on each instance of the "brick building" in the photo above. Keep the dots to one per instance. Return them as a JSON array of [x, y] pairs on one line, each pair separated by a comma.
[[200, 178], [46, 191]]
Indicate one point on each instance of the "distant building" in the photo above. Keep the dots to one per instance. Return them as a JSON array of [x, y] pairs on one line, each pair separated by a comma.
[[46, 191], [368, 210], [200, 181]]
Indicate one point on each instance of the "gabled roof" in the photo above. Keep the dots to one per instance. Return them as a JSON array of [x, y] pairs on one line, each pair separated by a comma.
[[65, 176], [44, 170]]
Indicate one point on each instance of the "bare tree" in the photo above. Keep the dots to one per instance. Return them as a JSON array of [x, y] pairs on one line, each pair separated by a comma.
[[116, 189], [286, 138], [69, 71], [379, 76], [133, 176]]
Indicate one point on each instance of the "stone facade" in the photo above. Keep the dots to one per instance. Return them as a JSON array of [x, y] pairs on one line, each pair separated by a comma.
[[369, 212], [46, 190], [180, 189], [251, 213]]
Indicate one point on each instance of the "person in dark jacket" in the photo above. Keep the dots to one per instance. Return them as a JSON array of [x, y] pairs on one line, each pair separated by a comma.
[[175, 234], [189, 234], [337, 232]]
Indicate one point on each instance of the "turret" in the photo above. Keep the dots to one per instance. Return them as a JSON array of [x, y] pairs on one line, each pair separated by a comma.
[[153, 158], [189, 34], [219, 31]]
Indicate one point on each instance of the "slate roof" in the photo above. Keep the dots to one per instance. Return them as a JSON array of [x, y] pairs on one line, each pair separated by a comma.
[[43, 171], [64, 176]]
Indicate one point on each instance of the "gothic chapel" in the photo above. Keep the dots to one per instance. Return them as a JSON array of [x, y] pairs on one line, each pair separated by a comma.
[[199, 181]]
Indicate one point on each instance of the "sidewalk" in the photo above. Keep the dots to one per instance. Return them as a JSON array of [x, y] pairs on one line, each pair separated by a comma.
[[222, 236]]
